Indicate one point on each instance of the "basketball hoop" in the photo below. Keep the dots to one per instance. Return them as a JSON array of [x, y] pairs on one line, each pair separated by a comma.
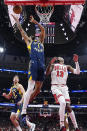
[[44, 13]]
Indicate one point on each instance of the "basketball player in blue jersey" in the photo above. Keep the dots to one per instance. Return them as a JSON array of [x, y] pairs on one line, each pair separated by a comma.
[[17, 95], [37, 65]]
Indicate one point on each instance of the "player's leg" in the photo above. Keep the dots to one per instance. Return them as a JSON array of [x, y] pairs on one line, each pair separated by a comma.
[[62, 103], [30, 125], [24, 121], [37, 89], [31, 84], [39, 82], [66, 122], [30, 94], [15, 121], [68, 108], [59, 98], [30, 89], [72, 116], [32, 76]]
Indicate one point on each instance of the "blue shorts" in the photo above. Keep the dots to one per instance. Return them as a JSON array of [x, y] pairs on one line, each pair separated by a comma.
[[36, 71], [17, 108]]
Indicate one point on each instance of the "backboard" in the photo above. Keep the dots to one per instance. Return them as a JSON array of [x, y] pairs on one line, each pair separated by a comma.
[[45, 112], [44, 2]]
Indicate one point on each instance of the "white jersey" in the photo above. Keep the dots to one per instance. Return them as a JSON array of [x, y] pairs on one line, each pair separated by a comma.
[[59, 74]]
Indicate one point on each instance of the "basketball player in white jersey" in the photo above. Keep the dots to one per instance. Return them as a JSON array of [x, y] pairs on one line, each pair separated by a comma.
[[59, 75]]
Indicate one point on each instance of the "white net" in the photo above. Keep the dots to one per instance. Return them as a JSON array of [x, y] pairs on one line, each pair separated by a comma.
[[44, 13]]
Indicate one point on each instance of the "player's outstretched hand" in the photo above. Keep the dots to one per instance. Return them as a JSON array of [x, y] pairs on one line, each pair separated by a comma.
[[75, 58], [4, 94], [31, 19], [53, 60]]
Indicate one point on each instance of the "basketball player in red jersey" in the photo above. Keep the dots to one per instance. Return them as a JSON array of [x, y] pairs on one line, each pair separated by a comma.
[[59, 75]]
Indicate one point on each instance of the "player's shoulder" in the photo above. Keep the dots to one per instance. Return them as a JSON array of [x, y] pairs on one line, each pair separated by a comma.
[[20, 85]]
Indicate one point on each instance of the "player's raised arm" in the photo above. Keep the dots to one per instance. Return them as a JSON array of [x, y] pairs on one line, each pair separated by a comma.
[[8, 96], [42, 34], [71, 69], [23, 33], [50, 66]]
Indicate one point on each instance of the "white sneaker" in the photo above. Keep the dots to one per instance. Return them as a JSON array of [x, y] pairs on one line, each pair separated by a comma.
[[32, 128]]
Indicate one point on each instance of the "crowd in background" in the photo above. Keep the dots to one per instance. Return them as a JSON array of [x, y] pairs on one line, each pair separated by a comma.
[[43, 124]]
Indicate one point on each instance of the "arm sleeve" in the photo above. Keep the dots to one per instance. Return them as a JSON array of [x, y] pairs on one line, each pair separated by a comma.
[[77, 70]]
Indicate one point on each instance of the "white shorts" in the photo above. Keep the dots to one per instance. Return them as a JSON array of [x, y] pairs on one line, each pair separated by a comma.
[[60, 90]]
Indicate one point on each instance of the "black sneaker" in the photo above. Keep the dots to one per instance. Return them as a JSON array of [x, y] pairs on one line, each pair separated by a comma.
[[23, 120]]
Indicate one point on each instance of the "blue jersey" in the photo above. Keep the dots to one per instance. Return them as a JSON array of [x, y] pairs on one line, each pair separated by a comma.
[[16, 95], [36, 51], [37, 62]]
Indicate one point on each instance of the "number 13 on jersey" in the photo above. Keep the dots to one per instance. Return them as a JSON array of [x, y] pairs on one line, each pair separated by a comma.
[[60, 74]]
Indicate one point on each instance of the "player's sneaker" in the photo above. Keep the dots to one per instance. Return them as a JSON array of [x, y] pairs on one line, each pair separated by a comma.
[[63, 129], [32, 128], [22, 120], [77, 129]]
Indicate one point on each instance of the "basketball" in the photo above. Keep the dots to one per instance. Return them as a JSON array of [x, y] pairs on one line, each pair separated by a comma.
[[17, 9]]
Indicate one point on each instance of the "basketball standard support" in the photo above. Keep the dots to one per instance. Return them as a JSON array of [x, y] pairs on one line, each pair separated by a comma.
[[40, 2]]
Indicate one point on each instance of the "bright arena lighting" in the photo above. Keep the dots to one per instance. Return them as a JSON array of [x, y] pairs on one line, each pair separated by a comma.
[[61, 24], [63, 29], [1, 49], [65, 33]]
